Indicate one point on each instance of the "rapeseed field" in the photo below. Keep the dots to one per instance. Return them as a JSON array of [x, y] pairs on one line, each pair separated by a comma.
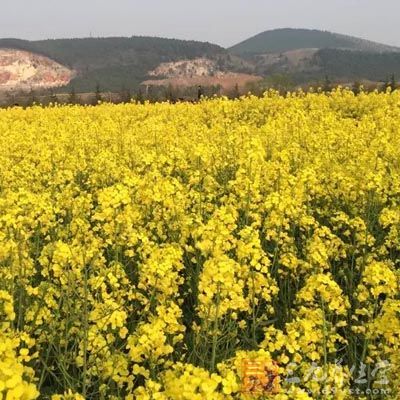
[[221, 250]]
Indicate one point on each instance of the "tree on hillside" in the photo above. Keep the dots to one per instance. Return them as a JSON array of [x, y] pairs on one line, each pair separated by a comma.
[[53, 97], [356, 88], [327, 86], [235, 94], [98, 97], [139, 96], [200, 92], [73, 98], [32, 98], [280, 82], [216, 90], [125, 95], [170, 94], [393, 83], [390, 83]]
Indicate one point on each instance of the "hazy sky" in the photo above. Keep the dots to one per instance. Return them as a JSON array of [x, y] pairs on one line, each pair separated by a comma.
[[224, 22]]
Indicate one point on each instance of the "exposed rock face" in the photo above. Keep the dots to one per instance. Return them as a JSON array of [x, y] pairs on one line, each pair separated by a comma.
[[200, 71], [24, 70], [187, 68]]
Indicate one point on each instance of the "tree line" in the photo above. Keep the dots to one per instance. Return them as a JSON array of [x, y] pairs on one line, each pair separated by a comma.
[[280, 82]]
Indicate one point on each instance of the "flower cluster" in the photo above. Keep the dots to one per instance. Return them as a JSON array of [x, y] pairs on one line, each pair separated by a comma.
[[149, 251]]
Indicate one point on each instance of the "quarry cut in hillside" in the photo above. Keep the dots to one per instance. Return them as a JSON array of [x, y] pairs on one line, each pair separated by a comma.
[[25, 70], [199, 71], [187, 68]]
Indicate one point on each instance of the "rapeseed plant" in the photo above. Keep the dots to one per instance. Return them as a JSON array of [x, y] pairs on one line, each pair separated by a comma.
[[149, 251]]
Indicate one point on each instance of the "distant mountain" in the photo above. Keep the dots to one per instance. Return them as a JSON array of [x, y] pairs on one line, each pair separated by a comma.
[[299, 56], [282, 40], [304, 56], [307, 66], [113, 63]]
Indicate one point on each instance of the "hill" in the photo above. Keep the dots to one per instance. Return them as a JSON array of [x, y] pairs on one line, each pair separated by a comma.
[[118, 64], [309, 66], [282, 40], [113, 63], [26, 70], [353, 65], [303, 56]]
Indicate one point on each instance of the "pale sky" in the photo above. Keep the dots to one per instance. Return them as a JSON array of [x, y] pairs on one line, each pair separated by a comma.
[[224, 22]]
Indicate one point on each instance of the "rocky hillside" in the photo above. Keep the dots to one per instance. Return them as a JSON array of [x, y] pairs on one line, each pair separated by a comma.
[[123, 64], [25, 70], [306, 56], [221, 73], [114, 63], [186, 68]]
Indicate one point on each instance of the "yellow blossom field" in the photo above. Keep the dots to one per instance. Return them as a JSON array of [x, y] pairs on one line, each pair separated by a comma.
[[221, 250]]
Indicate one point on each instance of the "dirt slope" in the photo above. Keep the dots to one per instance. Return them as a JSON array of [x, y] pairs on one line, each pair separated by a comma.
[[200, 71], [25, 70]]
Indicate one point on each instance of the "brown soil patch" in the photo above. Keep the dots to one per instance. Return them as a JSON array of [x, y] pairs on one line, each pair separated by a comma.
[[226, 81]]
